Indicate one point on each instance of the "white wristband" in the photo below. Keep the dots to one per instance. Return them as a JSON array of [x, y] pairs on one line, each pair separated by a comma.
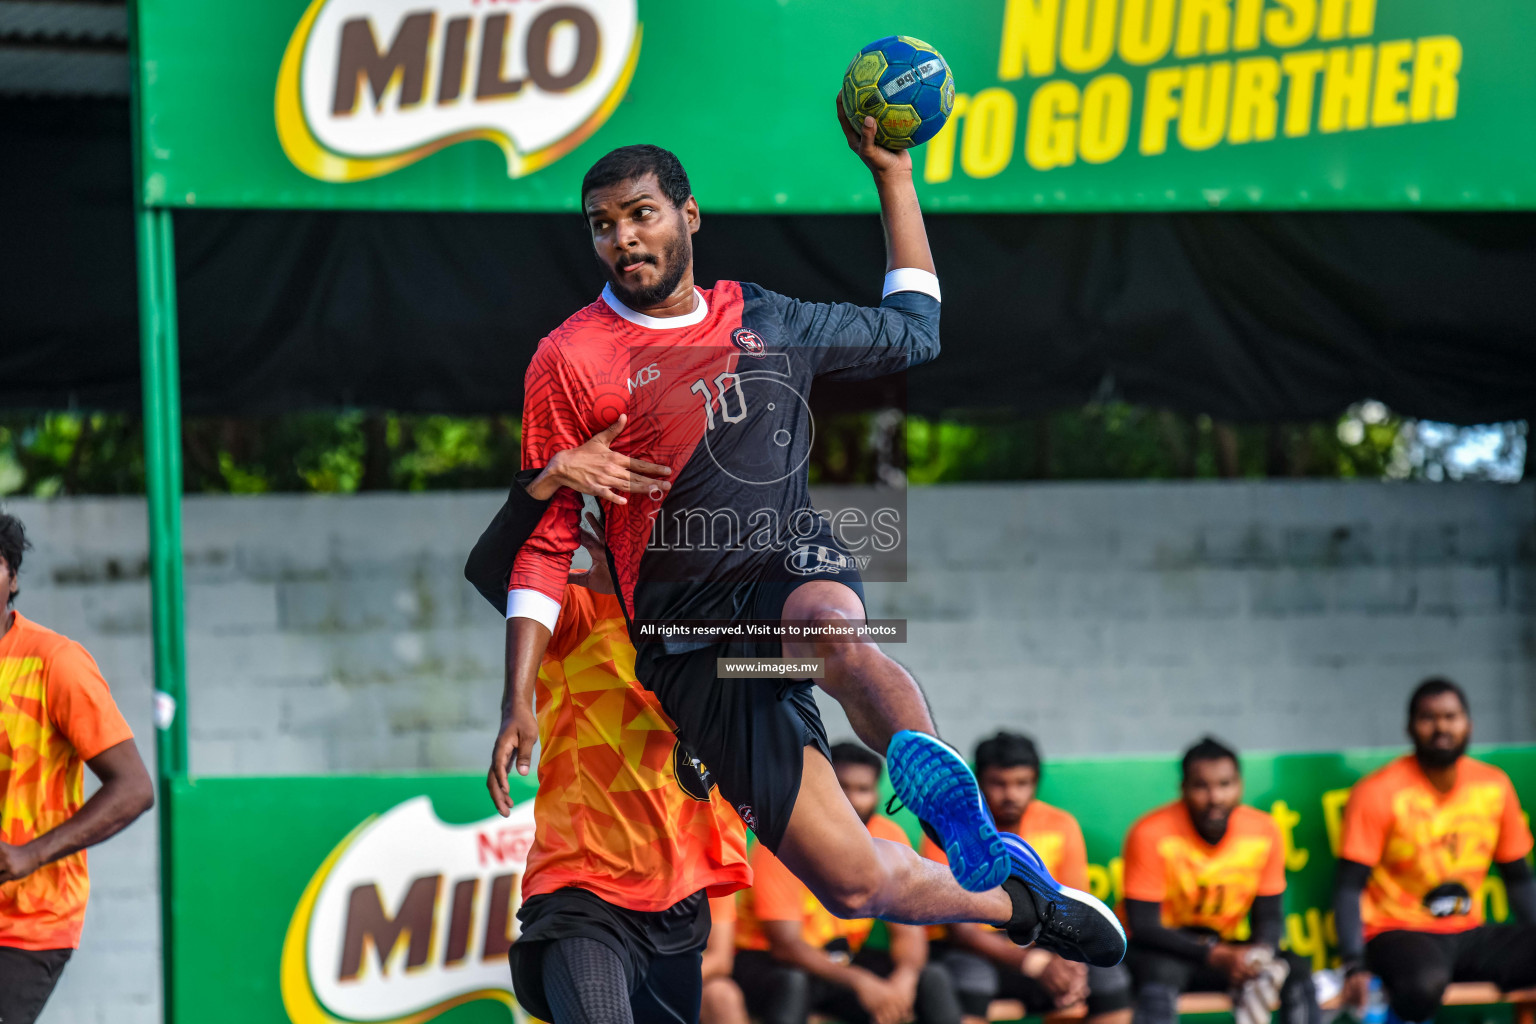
[[910, 279], [530, 604]]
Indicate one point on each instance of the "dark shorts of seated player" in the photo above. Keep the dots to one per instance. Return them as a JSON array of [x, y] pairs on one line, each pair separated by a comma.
[[752, 733], [1160, 976], [780, 993], [1415, 967], [978, 981], [660, 952]]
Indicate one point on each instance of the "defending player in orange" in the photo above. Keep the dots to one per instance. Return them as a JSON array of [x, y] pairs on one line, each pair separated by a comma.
[[795, 958], [629, 838], [1204, 877], [1419, 836], [56, 714], [984, 963], [722, 1002]]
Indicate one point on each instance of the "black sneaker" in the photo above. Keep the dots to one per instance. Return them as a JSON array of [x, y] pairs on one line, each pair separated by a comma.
[[1073, 923]]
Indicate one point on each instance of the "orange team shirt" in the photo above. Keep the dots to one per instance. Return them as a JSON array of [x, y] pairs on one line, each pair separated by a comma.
[[1200, 885], [1415, 839], [1053, 833], [615, 814], [56, 713], [777, 895]]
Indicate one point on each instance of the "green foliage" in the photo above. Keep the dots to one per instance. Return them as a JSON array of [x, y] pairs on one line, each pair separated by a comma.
[[51, 454]]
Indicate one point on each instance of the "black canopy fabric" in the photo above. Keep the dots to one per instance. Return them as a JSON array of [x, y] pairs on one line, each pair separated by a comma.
[[1249, 317]]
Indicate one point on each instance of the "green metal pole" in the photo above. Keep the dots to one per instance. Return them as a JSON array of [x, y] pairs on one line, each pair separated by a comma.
[[162, 459], [159, 363]]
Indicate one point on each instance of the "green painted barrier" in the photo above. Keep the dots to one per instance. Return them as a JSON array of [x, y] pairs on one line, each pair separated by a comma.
[[389, 899]]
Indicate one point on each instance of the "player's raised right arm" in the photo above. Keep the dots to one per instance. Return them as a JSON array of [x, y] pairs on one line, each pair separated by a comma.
[[906, 239]]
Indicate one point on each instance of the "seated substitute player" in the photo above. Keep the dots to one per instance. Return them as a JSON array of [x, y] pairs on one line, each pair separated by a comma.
[[629, 837], [793, 958], [1195, 871], [722, 1002], [1419, 835], [56, 713], [657, 348], [984, 964]]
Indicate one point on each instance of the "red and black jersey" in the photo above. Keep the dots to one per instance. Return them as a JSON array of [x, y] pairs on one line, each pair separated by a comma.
[[720, 395]]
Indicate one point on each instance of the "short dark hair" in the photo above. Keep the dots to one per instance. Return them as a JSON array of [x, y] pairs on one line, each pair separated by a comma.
[[629, 162], [13, 543], [856, 753], [1007, 750], [1434, 686], [1208, 749]]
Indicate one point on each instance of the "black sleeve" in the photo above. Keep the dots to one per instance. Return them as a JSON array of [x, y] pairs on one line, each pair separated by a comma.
[[1145, 919], [1521, 886], [1348, 883], [1266, 920], [489, 566], [860, 342]]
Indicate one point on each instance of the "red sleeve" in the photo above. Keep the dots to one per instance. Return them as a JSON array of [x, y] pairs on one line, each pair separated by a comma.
[[1074, 855], [1514, 830], [1145, 876], [552, 422], [1367, 822], [80, 703], [777, 895], [1272, 881]]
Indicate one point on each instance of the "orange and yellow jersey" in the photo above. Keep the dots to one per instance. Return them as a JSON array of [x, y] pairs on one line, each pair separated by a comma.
[[1200, 885], [622, 811], [777, 895], [1053, 833], [1416, 839], [56, 713]]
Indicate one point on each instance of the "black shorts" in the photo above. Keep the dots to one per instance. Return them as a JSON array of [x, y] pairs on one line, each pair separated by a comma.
[[751, 734], [648, 942], [27, 979], [978, 981]]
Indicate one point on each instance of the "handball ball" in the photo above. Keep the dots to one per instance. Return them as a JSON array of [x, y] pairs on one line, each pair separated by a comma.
[[904, 85]]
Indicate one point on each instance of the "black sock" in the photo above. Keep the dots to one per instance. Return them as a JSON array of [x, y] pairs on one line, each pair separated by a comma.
[[1024, 926]]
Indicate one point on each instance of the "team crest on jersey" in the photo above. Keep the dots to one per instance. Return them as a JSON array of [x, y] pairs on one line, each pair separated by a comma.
[[748, 816], [749, 341], [811, 559], [692, 775]]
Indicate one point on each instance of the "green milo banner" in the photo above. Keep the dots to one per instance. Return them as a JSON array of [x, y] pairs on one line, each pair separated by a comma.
[[392, 900], [1062, 105]]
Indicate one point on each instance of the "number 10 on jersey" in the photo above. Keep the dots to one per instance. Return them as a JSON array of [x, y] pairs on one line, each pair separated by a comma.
[[725, 382]]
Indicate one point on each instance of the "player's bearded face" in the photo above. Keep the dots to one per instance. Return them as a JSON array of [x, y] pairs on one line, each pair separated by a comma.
[[650, 286], [1212, 790], [1441, 730]]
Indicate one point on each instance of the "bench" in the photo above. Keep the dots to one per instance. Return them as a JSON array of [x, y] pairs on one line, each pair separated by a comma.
[[1462, 994]]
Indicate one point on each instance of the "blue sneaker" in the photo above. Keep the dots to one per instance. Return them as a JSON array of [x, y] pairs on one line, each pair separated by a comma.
[[937, 785], [1072, 923]]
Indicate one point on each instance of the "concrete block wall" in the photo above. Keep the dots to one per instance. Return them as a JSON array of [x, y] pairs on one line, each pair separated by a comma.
[[333, 635], [1121, 617]]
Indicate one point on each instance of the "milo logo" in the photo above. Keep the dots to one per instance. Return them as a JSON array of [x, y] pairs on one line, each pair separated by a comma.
[[369, 86]]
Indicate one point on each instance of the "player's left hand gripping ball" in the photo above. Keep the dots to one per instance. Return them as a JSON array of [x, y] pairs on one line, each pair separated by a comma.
[[905, 85]]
